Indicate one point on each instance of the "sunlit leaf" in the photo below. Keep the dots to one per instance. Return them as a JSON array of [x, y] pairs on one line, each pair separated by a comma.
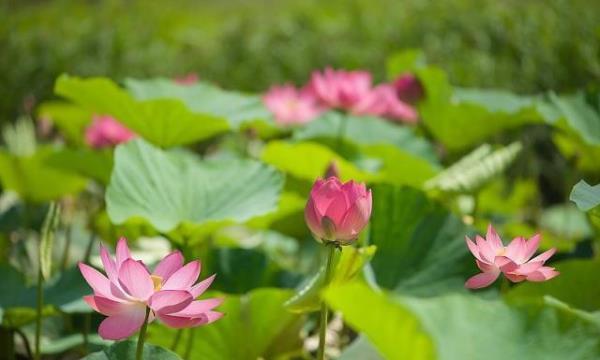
[[463, 117], [168, 188], [203, 98], [308, 160], [34, 179], [164, 122]]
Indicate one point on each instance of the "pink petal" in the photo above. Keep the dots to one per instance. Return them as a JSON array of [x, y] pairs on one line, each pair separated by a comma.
[[105, 306], [98, 282], [124, 324], [109, 264], [170, 301], [313, 220], [485, 267], [168, 265], [325, 194], [493, 239], [505, 264], [179, 322], [542, 274], [122, 251], [213, 316], [517, 249], [135, 280], [198, 307], [527, 268], [485, 251], [532, 246], [514, 277], [482, 280], [201, 287], [473, 248], [354, 221], [544, 256], [337, 208], [183, 278]]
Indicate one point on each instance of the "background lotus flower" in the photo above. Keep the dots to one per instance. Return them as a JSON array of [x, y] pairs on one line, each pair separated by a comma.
[[187, 79], [106, 131], [128, 289], [338, 212], [290, 105], [408, 88], [339, 88], [383, 101], [514, 260]]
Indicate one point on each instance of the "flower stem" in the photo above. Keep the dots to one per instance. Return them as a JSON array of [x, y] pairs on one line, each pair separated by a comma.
[[340, 135], [323, 322], [142, 337], [38, 319]]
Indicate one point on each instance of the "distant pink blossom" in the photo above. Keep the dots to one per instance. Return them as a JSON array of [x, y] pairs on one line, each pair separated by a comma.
[[514, 260], [106, 131], [338, 212], [290, 105], [408, 88], [129, 288], [382, 101], [339, 88], [187, 79]]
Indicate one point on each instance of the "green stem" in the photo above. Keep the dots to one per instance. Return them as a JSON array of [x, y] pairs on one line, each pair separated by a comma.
[[67, 249], [88, 249], [7, 342], [176, 339], [189, 345], [142, 337], [504, 286], [323, 322], [87, 324], [38, 320]]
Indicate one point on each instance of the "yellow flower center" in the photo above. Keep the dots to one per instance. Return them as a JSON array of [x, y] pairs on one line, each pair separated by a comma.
[[157, 281], [501, 251]]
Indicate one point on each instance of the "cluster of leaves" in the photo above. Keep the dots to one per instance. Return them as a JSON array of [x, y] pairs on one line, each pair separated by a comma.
[[213, 175]]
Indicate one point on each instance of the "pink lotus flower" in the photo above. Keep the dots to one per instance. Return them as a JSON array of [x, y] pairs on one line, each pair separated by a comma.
[[339, 88], [338, 212], [105, 131], [408, 88], [129, 288], [187, 79], [514, 260], [292, 106], [383, 101]]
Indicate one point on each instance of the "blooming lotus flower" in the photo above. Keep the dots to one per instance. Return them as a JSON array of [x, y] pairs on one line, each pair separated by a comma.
[[339, 88], [292, 106], [106, 131], [129, 288], [338, 212], [383, 101], [514, 260], [408, 88]]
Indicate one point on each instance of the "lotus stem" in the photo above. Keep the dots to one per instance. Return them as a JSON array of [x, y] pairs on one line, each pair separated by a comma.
[[142, 337], [324, 313]]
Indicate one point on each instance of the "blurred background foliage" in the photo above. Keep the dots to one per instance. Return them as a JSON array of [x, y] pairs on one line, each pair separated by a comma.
[[524, 46]]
